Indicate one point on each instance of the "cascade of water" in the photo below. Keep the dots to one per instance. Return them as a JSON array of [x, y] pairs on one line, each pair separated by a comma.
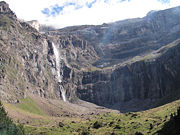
[[63, 93], [59, 73]]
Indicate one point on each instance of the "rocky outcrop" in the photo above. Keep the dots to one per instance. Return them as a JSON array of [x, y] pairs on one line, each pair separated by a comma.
[[4, 9], [35, 24]]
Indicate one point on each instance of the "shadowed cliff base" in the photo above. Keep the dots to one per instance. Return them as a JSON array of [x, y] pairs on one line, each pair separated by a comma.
[[136, 105], [142, 105]]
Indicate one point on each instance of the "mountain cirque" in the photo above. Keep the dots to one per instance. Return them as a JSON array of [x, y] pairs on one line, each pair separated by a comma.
[[80, 79], [117, 65], [130, 62]]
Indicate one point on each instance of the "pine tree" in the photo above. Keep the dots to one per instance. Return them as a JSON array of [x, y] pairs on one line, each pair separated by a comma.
[[7, 127]]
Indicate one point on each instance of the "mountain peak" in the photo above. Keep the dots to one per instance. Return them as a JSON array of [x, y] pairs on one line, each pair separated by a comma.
[[4, 9]]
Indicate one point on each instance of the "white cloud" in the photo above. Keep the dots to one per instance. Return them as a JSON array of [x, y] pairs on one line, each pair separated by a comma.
[[100, 12]]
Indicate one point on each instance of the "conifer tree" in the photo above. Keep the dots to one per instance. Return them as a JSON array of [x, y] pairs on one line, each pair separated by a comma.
[[7, 127]]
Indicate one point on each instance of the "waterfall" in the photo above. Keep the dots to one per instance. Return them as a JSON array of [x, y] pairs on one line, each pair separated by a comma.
[[59, 72]]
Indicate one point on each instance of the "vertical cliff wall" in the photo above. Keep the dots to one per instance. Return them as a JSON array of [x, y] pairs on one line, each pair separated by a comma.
[[147, 80]]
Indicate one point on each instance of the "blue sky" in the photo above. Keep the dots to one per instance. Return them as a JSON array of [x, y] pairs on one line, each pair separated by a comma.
[[56, 9], [62, 13]]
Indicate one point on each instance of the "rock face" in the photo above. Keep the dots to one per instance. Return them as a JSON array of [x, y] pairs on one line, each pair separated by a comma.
[[118, 65], [27, 60], [147, 80], [4, 9]]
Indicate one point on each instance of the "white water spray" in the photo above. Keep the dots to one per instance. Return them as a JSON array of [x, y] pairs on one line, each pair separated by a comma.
[[59, 73]]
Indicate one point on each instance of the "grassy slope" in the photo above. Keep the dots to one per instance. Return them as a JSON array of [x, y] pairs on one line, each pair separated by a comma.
[[147, 122], [29, 105]]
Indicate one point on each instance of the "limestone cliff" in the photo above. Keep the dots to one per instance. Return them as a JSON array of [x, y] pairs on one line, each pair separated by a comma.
[[148, 80]]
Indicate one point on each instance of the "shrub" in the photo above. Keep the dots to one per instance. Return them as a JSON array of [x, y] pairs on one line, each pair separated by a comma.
[[97, 124]]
